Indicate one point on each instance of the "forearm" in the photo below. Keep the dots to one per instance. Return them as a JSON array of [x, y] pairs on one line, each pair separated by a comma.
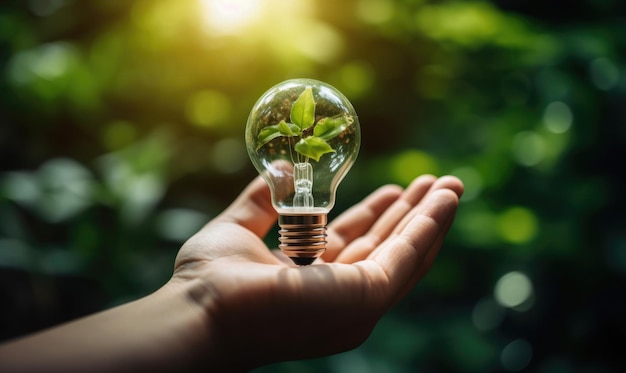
[[165, 331]]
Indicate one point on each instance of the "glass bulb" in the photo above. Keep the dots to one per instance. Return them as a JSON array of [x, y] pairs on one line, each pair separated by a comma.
[[303, 136]]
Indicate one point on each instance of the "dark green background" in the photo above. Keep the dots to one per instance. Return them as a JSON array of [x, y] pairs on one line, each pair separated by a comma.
[[121, 132]]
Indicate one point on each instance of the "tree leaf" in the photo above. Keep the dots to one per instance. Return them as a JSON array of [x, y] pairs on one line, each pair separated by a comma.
[[313, 147], [268, 134], [289, 129], [303, 110], [327, 128]]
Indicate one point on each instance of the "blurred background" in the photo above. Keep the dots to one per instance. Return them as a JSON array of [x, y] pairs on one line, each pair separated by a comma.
[[122, 128]]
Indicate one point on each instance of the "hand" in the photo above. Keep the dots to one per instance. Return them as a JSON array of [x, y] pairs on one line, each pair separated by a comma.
[[232, 304], [260, 308]]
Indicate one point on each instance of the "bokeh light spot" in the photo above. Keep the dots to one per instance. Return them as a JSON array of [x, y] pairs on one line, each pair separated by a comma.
[[318, 41], [487, 314], [513, 289], [208, 108], [48, 62], [375, 11], [516, 355], [472, 180], [464, 23], [517, 225], [53, 60], [179, 224], [558, 117], [134, 176], [160, 23], [21, 187], [356, 79], [529, 148], [66, 189], [410, 164]]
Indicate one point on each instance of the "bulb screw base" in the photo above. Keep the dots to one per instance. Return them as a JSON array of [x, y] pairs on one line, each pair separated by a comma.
[[302, 236]]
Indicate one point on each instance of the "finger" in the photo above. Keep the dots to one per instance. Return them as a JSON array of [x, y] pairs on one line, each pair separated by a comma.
[[252, 209], [357, 220], [444, 182], [402, 256], [362, 247], [411, 197], [426, 264]]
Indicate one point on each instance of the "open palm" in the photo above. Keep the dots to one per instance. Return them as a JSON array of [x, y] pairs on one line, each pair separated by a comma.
[[258, 301]]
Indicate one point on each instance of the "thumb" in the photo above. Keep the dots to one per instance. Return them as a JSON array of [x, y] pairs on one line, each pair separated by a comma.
[[252, 209]]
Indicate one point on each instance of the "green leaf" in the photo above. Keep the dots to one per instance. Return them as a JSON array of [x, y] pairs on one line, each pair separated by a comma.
[[303, 110], [327, 128], [288, 129], [313, 147], [283, 128], [268, 134]]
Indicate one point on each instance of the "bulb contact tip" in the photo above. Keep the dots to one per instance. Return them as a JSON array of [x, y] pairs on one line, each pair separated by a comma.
[[302, 236]]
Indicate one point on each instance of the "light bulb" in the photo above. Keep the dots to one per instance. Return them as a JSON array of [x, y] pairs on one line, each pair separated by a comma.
[[303, 136]]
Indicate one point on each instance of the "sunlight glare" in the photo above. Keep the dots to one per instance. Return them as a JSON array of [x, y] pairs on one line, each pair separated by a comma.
[[229, 16]]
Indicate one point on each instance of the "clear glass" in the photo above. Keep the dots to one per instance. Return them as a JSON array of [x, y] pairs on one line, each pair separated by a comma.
[[284, 151]]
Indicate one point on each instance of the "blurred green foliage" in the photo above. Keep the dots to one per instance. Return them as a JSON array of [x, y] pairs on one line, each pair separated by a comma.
[[121, 133]]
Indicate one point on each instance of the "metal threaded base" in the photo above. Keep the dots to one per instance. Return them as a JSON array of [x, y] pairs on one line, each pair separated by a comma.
[[302, 236]]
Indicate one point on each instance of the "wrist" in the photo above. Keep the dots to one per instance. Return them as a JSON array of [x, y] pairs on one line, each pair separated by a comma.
[[214, 343], [191, 323]]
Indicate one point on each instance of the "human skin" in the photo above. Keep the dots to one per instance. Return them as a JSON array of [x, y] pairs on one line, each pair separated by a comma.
[[233, 305]]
